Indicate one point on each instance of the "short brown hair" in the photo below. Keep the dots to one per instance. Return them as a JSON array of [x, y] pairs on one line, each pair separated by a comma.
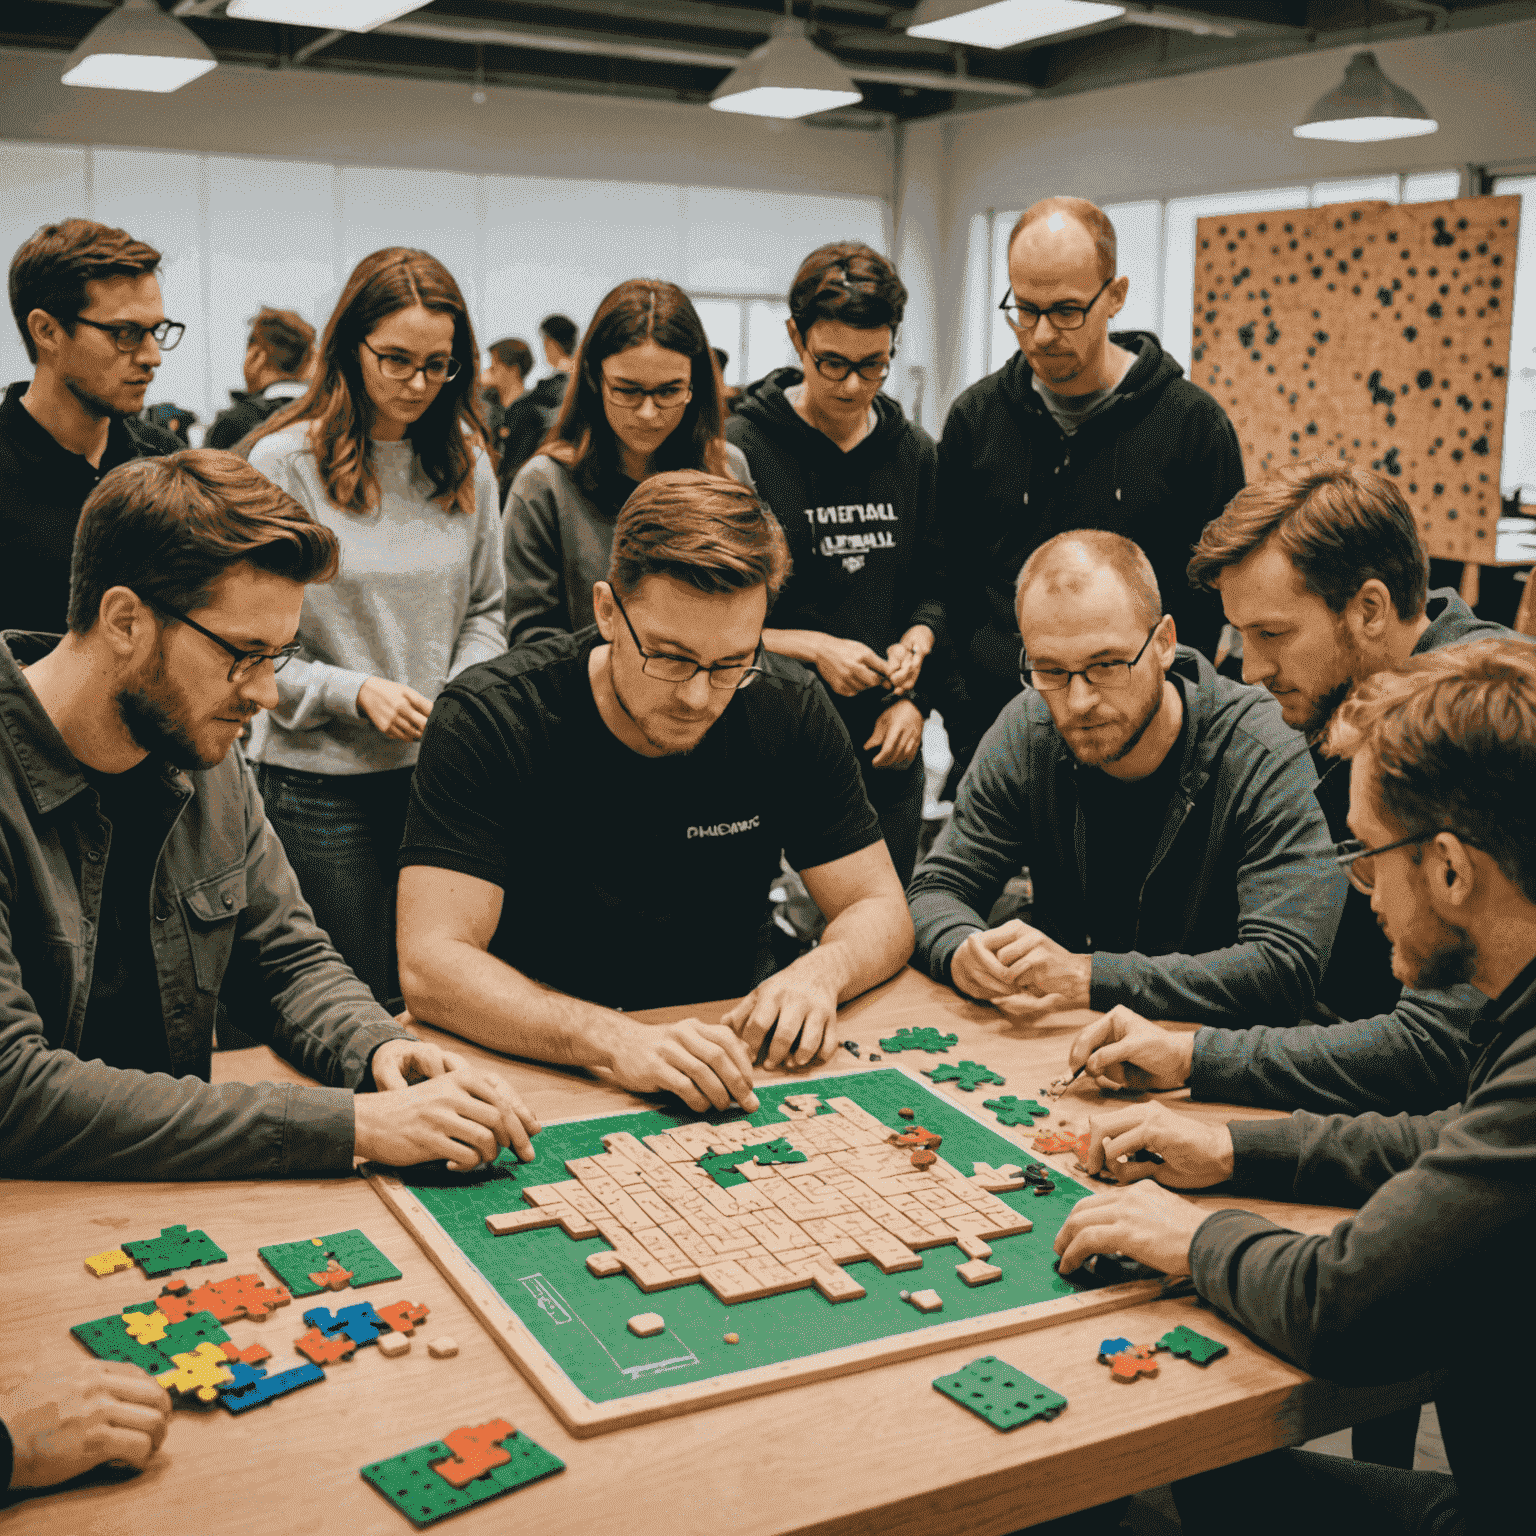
[[849, 282], [169, 528], [1340, 526], [709, 531], [1091, 217], [287, 338], [1105, 551], [1453, 739], [513, 352], [49, 271]]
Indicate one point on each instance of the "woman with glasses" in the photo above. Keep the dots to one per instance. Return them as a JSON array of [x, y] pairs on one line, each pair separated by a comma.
[[852, 481], [387, 450], [645, 397]]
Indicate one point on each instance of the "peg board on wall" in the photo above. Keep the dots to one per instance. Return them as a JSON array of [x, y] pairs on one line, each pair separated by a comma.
[[1370, 333]]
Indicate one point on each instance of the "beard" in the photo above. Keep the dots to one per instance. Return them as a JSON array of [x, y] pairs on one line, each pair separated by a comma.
[[1436, 954], [1143, 725], [97, 405], [665, 748], [155, 712], [1326, 705]]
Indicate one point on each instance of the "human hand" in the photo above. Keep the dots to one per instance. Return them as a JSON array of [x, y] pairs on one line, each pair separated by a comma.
[[393, 709], [65, 1422], [1124, 1050], [460, 1112], [974, 968], [847, 666], [1038, 964], [1143, 1222], [906, 657], [1195, 1153], [792, 1003], [898, 733], [705, 1065]]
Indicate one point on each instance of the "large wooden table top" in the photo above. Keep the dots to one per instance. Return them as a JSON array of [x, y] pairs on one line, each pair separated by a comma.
[[875, 1451]]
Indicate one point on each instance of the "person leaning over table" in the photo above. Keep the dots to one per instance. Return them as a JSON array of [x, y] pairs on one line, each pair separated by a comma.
[[1180, 861], [1442, 755], [595, 821], [140, 881]]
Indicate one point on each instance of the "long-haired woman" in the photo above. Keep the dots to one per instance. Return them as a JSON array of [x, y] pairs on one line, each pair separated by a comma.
[[386, 449], [644, 397]]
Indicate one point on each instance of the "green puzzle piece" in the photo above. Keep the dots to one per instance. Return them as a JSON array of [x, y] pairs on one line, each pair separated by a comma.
[[721, 1166], [108, 1339], [294, 1263], [924, 1039], [1004, 1397], [410, 1484], [1193, 1346], [1012, 1110], [967, 1074], [175, 1248]]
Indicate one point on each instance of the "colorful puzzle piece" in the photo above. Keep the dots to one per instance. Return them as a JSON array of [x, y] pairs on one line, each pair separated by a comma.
[[721, 1166], [108, 1262], [145, 1327], [403, 1316], [924, 1039], [316, 1347], [110, 1338], [333, 1277], [916, 1137], [200, 1373], [965, 1075], [175, 1248], [1004, 1397], [359, 1322], [410, 1484], [295, 1263], [1112, 1347], [1012, 1110], [252, 1387], [476, 1450], [1054, 1141], [1193, 1346], [252, 1354], [1129, 1361], [242, 1296]]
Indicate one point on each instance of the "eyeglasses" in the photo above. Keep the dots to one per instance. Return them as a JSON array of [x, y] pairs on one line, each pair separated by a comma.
[[872, 370], [245, 662], [128, 337], [1100, 674], [397, 367], [630, 397], [1351, 854], [678, 669], [1063, 317]]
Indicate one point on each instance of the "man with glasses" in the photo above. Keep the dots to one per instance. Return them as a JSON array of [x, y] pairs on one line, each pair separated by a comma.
[[141, 885], [1081, 428], [595, 820], [87, 303], [1181, 863]]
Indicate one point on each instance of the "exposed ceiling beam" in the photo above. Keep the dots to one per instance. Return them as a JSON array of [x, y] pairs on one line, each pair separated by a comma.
[[314, 45]]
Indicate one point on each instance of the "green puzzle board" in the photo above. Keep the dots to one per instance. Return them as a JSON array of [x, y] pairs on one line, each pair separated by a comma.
[[581, 1320]]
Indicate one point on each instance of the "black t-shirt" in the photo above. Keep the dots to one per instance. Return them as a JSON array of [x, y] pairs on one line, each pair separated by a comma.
[[630, 881], [1124, 820], [124, 1024]]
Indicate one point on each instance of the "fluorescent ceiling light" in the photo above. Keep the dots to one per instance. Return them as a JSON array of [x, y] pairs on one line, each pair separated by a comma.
[[138, 48], [788, 76], [1003, 23], [1366, 109], [338, 15]]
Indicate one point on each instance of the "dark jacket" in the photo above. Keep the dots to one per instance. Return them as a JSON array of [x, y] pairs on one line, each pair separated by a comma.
[[247, 412], [42, 489], [525, 424], [1237, 914], [1155, 464], [1398, 1050], [1437, 1253], [862, 526], [228, 919]]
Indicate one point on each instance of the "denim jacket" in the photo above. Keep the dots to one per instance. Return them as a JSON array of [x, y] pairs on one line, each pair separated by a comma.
[[227, 919]]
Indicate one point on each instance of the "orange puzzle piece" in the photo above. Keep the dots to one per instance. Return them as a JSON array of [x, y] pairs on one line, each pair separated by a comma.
[[476, 1451], [402, 1316], [252, 1354], [1138, 1360], [323, 1351], [333, 1277], [1054, 1141], [916, 1137]]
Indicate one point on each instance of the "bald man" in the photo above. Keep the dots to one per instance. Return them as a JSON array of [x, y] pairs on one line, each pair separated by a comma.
[[1181, 863], [1083, 427]]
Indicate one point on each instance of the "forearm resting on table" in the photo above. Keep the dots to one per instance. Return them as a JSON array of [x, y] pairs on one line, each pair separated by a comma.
[[866, 942]]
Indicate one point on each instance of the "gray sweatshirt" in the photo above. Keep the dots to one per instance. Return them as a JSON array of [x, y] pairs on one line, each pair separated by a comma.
[[419, 599]]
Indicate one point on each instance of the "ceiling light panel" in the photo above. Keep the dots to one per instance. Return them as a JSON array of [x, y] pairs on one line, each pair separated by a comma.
[[326, 15], [1003, 23]]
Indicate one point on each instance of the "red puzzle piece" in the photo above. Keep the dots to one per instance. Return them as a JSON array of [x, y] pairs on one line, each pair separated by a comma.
[[323, 1351], [402, 1316], [1138, 1360], [476, 1451], [333, 1277]]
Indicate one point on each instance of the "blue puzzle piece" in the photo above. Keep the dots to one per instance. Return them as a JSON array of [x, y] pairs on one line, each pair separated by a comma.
[[252, 1386], [1111, 1347], [359, 1322]]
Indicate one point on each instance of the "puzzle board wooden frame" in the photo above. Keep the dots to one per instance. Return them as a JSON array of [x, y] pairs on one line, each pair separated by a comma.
[[583, 1416]]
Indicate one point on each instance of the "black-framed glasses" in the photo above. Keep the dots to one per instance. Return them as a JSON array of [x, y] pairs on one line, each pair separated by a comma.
[[1352, 855], [245, 662], [671, 396], [128, 337], [873, 370], [1099, 674], [679, 669], [1063, 317], [397, 367]]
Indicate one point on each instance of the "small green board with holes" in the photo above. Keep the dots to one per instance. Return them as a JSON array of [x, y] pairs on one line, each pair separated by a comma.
[[410, 1484], [1193, 1346], [924, 1039], [1001, 1395], [294, 1263]]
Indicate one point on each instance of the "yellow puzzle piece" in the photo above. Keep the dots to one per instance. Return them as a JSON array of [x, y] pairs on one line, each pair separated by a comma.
[[109, 1262], [203, 1371], [146, 1327]]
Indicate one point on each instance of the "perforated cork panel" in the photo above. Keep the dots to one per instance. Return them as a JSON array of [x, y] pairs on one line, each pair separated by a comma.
[[1369, 333]]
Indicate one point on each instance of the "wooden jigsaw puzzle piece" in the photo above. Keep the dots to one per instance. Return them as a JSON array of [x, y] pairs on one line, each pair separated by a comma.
[[108, 1262], [1012, 1110], [252, 1387], [199, 1373], [476, 1450], [925, 1039], [403, 1316], [1191, 1345], [145, 1327], [175, 1248], [1003, 1396], [1129, 1363], [409, 1482], [332, 1278], [965, 1075], [252, 1354], [319, 1349]]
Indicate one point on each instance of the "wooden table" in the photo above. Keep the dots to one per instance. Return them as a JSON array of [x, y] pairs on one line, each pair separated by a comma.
[[876, 1451]]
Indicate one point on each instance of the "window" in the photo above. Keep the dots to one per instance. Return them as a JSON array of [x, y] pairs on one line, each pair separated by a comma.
[[750, 327]]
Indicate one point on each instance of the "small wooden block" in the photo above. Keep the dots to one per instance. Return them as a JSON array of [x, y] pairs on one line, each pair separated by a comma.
[[444, 1348], [733, 1338], [646, 1325], [907, 1114], [393, 1344], [605, 1263], [923, 1158], [978, 1272], [523, 1221], [927, 1301]]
